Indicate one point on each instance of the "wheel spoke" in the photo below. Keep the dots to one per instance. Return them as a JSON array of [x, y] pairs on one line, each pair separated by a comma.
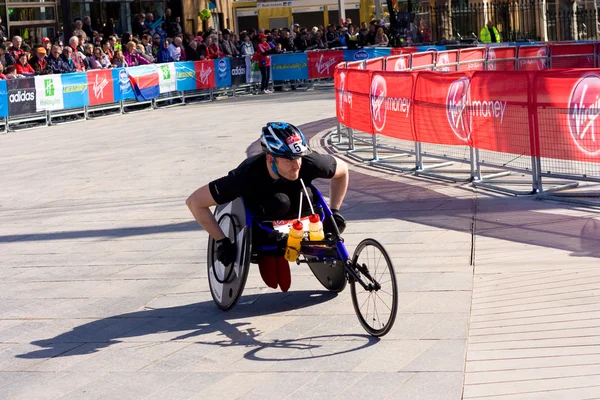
[[388, 307]]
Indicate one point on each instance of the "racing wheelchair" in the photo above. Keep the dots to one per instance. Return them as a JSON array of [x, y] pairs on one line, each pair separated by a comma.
[[369, 272]]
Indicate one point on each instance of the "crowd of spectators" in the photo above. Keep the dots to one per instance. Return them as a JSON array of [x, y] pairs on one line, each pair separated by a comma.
[[99, 47]]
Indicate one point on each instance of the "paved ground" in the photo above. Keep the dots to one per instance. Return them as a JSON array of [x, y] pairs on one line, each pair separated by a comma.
[[103, 290]]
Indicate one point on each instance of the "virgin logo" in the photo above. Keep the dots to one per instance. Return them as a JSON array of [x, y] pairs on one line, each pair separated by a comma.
[[401, 64], [457, 103], [204, 74], [344, 97], [542, 62], [491, 56], [443, 60], [378, 109], [584, 108], [323, 66], [99, 87]]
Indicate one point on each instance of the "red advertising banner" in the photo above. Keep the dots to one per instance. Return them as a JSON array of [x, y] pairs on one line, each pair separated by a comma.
[[498, 116], [398, 63], [572, 55], [423, 61], [205, 74], [375, 64], [100, 86], [358, 116], [501, 58], [568, 105], [343, 98], [533, 58], [446, 61], [391, 102], [471, 59], [441, 108], [321, 64]]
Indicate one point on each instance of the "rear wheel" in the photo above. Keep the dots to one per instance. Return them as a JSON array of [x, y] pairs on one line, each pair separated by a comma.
[[376, 306]]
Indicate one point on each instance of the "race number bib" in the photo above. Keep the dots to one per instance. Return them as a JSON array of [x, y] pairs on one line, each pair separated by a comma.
[[295, 143]]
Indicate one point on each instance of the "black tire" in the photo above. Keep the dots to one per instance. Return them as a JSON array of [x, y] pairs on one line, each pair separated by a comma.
[[385, 275]]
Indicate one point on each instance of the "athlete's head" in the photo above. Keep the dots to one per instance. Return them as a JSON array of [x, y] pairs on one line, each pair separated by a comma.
[[285, 145]]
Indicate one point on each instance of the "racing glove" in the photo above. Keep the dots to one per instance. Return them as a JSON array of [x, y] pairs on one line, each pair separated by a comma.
[[339, 219], [226, 251]]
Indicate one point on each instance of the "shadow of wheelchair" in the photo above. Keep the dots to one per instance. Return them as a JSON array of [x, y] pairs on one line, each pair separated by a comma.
[[203, 319]]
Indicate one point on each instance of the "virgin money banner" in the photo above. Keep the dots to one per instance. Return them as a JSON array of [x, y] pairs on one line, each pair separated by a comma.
[[375, 64], [75, 89], [572, 55], [532, 58], [441, 108], [238, 71], [343, 98], [21, 96], [398, 63], [471, 59], [567, 107], [167, 78], [358, 116], [391, 103], [49, 93], [498, 112], [501, 58], [205, 74], [321, 64], [186, 76], [446, 61], [423, 61], [100, 86], [289, 66]]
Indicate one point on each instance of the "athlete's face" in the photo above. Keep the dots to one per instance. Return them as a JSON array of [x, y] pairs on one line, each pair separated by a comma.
[[289, 169]]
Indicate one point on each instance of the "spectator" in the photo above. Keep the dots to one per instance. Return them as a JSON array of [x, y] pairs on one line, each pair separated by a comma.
[[11, 72], [264, 62], [285, 41], [132, 57], [5, 58], [23, 67], [2, 76], [148, 24], [352, 38], [56, 63], [363, 37], [47, 44], [109, 28], [156, 45], [246, 48], [38, 62], [146, 43], [88, 53], [381, 38], [15, 51], [108, 52], [67, 58], [317, 42], [177, 30], [331, 37], [212, 49], [301, 42], [167, 23], [99, 60], [119, 60], [195, 52], [489, 33], [175, 50], [3, 31], [227, 47], [142, 52], [87, 27], [139, 24], [344, 37], [423, 32], [76, 55]]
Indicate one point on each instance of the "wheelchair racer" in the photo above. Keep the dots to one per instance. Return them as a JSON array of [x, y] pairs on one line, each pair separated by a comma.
[[269, 183]]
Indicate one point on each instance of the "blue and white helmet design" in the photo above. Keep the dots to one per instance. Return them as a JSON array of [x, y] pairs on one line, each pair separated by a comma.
[[281, 139]]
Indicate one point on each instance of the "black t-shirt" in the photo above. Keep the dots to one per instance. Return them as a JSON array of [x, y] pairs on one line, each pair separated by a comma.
[[251, 180]]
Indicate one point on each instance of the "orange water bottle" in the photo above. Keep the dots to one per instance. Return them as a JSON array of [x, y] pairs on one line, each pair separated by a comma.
[[293, 243], [315, 228]]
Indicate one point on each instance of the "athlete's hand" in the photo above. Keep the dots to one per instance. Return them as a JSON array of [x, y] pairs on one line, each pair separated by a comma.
[[340, 221], [226, 251]]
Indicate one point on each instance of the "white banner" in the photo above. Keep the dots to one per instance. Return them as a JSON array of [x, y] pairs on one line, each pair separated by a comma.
[[167, 78], [252, 71], [49, 93]]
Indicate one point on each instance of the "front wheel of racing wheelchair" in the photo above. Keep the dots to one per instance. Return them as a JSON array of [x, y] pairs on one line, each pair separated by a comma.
[[370, 271]]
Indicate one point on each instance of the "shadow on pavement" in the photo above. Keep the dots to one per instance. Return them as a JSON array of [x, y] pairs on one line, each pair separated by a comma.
[[193, 321]]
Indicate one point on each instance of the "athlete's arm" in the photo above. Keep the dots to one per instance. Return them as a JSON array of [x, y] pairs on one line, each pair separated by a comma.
[[199, 203], [339, 184]]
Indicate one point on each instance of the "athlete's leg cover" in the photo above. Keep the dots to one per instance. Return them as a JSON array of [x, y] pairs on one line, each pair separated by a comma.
[[284, 276], [268, 270]]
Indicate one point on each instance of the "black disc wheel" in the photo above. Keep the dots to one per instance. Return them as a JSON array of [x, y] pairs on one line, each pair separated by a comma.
[[377, 305]]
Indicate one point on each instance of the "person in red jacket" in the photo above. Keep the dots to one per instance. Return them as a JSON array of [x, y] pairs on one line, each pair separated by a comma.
[[263, 49], [23, 67]]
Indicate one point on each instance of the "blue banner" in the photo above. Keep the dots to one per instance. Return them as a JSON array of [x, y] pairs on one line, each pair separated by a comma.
[[289, 66], [366, 53], [430, 48], [75, 89], [3, 99], [186, 75], [122, 85], [222, 72]]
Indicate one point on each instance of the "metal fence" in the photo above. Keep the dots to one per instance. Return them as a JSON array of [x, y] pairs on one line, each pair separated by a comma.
[[520, 20]]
